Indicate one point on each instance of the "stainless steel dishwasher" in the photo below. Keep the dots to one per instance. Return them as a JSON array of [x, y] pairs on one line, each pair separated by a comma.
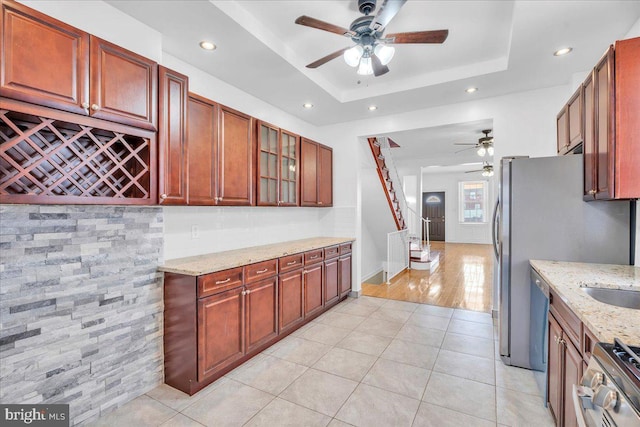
[[538, 330]]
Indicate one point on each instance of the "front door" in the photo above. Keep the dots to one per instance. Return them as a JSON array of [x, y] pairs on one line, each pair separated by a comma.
[[433, 208]]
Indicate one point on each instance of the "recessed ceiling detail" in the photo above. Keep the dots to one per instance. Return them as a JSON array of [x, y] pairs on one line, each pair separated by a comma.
[[495, 45]]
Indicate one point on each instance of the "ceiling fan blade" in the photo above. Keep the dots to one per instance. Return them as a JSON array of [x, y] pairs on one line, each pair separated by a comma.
[[435, 36], [327, 58], [308, 21], [386, 13], [464, 149], [378, 68]]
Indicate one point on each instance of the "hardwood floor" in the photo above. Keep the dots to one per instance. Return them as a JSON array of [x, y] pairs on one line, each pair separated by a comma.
[[463, 279]]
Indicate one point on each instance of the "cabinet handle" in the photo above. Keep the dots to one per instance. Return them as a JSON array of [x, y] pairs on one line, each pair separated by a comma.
[[291, 262], [314, 257], [262, 271], [220, 282], [163, 196], [95, 107]]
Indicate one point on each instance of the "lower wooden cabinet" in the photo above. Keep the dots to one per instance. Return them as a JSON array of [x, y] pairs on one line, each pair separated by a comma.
[[567, 339], [216, 321], [261, 314], [330, 276], [565, 370], [344, 275], [291, 311], [221, 331], [313, 290]]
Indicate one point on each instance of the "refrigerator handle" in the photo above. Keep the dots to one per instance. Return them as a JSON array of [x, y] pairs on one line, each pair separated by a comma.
[[494, 229]]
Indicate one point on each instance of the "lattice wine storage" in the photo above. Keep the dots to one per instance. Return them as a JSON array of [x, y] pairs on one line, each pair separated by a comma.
[[46, 160]]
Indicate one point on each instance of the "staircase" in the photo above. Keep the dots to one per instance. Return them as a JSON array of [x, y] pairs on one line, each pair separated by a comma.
[[420, 255], [387, 183]]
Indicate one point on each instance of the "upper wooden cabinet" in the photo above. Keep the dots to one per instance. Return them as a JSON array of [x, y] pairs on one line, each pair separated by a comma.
[[562, 130], [49, 63], [235, 157], [316, 174], [220, 155], [277, 166], [172, 137], [268, 168], [43, 61], [325, 176], [202, 121], [123, 85], [570, 124], [611, 168]]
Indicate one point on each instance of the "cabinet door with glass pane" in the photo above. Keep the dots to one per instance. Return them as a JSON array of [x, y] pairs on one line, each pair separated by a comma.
[[268, 139], [289, 148]]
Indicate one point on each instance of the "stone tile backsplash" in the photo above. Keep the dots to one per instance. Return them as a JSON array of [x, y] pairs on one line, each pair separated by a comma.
[[80, 305]]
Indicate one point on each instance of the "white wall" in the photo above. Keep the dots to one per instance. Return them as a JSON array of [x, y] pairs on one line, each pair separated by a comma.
[[455, 231]]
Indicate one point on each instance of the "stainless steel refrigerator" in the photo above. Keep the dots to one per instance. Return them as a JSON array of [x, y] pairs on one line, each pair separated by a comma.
[[540, 214]]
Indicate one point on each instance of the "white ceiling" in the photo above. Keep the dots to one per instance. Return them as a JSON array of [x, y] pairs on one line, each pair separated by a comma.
[[499, 46], [434, 148]]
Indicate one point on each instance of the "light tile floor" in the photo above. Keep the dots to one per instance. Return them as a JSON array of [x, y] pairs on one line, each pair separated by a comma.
[[366, 362]]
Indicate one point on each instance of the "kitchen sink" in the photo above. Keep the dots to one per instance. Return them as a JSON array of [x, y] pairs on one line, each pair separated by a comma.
[[618, 297]]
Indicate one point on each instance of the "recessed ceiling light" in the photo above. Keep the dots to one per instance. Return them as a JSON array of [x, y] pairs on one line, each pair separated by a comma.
[[471, 89], [207, 45], [562, 51], [307, 105], [373, 107]]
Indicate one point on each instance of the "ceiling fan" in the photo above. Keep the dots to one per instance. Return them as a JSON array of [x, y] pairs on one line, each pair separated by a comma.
[[487, 170], [484, 145], [372, 52]]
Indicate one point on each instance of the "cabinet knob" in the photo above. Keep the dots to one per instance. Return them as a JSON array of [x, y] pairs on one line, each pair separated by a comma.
[[95, 107], [319, 203], [592, 192], [163, 196], [243, 293], [85, 105]]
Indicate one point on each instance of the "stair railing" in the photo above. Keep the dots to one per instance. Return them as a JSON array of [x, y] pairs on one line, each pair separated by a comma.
[[385, 150], [397, 253]]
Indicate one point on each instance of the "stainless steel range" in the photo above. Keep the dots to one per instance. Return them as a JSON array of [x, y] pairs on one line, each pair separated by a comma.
[[610, 392]]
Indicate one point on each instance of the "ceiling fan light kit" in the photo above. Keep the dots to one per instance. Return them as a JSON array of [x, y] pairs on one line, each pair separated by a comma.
[[371, 52]]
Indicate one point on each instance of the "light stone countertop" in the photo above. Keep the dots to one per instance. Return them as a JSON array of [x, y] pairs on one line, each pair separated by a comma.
[[604, 320], [210, 263]]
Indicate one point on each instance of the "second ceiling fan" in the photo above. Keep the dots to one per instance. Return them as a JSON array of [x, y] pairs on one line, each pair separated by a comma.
[[372, 51]]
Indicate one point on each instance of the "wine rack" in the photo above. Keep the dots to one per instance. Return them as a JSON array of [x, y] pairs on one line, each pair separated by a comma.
[[44, 159]]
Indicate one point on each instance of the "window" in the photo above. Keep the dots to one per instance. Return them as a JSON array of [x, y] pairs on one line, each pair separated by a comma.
[[472, 196]]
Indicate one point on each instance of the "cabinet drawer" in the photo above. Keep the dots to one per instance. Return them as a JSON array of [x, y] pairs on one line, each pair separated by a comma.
[[219, 281], [290, 262], [260, 270], [568, 320], [313, 257], [331, 252], [345, 248]]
